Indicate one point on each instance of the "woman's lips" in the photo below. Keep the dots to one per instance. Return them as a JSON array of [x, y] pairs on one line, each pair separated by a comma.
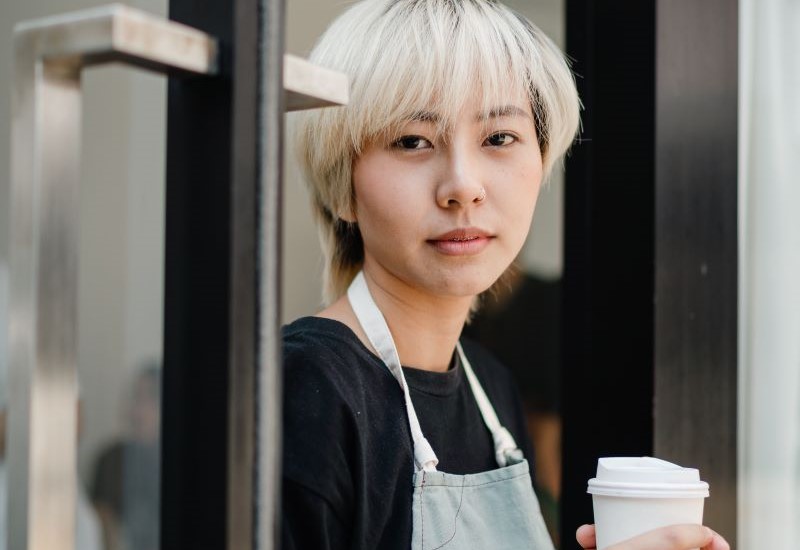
[[461, 242]]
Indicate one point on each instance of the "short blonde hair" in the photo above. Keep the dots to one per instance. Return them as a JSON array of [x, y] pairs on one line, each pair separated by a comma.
[[404, 57]]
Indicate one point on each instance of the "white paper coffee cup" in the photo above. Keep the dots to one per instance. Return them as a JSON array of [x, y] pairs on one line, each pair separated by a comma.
[[634, 495]]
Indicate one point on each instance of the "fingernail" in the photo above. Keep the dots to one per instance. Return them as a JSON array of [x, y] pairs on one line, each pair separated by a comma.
[[709, 532]]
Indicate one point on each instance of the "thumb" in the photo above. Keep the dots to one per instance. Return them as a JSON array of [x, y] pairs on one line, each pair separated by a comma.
[[585, 536]]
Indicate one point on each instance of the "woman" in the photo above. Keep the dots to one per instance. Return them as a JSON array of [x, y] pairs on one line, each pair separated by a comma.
[[397, 434]]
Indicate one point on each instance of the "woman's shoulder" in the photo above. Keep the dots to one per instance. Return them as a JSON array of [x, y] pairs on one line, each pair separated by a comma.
[[342, 431], [307, 333], [325, 354], [317, 340]]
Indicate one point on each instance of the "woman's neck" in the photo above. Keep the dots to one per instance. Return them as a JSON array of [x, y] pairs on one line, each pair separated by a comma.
[[425, 328]]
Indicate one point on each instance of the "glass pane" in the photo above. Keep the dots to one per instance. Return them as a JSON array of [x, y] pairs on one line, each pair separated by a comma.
[[121, 307], [120, 296]]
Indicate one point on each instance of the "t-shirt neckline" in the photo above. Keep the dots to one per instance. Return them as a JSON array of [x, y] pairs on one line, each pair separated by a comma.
[[440, 384]]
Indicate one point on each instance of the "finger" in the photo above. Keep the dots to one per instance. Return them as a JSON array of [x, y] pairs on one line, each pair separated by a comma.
[[586, 537], [674, 537], [717, 543]]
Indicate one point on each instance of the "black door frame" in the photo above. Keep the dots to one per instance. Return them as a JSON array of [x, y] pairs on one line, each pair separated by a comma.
[[651, 246], [607, 388]]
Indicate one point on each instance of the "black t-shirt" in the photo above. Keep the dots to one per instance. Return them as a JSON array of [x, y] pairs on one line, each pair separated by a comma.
[[348, 454]]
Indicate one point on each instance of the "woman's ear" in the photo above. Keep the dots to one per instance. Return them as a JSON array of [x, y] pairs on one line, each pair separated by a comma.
[[348, 213], [348, 218]]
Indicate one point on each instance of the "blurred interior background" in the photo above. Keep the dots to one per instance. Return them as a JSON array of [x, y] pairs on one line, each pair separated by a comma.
[[122, 263]]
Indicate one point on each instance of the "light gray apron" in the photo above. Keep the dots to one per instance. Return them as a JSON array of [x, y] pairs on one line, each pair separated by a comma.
[[494, 510]]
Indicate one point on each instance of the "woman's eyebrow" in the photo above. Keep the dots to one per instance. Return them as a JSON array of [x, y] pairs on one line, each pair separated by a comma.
[[424, 116], [504, 111]]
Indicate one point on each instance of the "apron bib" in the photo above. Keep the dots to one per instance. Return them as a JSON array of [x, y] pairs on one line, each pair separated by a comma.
[[493, 510]]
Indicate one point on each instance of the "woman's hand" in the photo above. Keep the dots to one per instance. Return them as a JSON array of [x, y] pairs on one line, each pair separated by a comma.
[[674, 537]]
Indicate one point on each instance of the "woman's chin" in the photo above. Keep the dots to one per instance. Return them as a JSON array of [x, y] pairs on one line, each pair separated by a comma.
[[464, 286]]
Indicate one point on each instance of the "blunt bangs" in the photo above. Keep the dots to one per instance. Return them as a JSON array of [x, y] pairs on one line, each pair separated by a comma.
[[408, 59]]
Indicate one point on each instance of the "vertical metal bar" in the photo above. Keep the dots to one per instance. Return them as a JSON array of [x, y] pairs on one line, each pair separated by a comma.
[[696, 246], [43, 320], [269, 401], [244, 333]]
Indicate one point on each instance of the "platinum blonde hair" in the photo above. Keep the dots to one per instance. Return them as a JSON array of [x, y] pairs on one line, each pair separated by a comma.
[[404, 57]]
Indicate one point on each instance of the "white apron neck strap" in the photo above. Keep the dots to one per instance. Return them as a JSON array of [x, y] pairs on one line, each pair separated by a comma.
[[505, 448], [374, 325]]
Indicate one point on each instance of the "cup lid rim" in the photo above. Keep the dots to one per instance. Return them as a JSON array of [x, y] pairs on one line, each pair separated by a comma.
[[672, 490]]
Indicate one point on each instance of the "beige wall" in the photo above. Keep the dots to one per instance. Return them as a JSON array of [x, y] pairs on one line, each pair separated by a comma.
[[302, 270]]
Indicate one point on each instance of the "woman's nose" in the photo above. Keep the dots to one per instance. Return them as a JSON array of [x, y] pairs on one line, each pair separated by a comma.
[[460, 183]]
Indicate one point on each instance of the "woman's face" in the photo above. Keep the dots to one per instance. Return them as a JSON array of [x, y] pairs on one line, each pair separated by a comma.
[[447, 215]]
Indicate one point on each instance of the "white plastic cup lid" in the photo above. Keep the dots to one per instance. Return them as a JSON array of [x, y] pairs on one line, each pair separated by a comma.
[[646, 477]]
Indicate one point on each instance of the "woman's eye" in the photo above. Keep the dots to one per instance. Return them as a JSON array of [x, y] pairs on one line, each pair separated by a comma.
[[412, 142], [500, 139]]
